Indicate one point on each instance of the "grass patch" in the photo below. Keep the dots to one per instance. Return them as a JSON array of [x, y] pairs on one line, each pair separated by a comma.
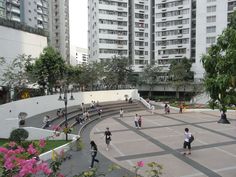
[[3, 141], [50, 144]]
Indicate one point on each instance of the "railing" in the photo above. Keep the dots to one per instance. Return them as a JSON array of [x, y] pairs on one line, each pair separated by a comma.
[[148, 105]]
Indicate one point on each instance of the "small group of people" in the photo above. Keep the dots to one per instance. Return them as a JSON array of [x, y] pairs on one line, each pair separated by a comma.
[[188, 139], [60, 112], [80, 119], [138, 121], [93, 104], [94, 149]]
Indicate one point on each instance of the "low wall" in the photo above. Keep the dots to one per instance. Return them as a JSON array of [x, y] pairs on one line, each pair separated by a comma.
[[66, 147], [9, 112], [38, 133]]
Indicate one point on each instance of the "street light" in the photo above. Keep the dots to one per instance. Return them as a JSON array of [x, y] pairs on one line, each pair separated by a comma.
[[65, 99]]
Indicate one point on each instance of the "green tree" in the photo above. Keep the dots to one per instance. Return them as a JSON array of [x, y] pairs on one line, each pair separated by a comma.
[[220, 69], [87, 76], [48, 69], [150, 77], [117, 71], [14, 75], [180, 74]]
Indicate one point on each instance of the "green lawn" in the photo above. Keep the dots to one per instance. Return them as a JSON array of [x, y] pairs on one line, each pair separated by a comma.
[[3, 141], [50, 144]]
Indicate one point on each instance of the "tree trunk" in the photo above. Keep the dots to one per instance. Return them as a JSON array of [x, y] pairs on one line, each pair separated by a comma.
[[223, 119]]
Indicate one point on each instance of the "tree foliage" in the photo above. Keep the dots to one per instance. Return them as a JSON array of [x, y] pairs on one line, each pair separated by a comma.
[[89, 75], [14, 72], [117, 71], [220, 68], [150, 77], [19, 135], [180, 73], [48, 69]]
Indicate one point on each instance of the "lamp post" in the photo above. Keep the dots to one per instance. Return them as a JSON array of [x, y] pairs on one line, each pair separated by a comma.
[[65, 99]]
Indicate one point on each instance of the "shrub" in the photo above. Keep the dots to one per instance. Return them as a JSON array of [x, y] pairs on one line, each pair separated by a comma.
[[19, 135]]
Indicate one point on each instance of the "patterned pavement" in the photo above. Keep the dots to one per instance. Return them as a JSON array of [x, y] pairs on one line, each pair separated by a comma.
[[161, 138]]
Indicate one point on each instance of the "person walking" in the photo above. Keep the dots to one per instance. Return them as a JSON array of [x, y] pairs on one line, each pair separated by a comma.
[[166, 108], [181, 108], [187, 141], [121, 112], [140, 121], [152, 109], [136, 120], [107, 135], [93, 150]]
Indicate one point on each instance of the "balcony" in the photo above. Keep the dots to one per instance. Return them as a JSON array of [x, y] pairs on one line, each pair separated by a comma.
[[14, 10], [15, 18], [39, 10]]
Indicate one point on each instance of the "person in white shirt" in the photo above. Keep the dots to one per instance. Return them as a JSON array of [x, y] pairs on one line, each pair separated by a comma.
[[152, 109], [187, 143], [46, 121], [136, 121]]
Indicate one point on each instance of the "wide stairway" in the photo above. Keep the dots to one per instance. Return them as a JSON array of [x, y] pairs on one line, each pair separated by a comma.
[[108, 109]]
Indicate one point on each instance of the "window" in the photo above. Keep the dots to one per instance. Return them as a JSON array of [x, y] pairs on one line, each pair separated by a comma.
[[211, 29], [211, 19], [210, 40], [1, 12], [211, 8], [211, 0]]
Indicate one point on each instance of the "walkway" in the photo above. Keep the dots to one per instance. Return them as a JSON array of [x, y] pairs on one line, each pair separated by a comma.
[[160, 140]]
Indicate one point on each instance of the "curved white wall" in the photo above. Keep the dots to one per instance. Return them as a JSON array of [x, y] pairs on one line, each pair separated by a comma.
[[9, 112]]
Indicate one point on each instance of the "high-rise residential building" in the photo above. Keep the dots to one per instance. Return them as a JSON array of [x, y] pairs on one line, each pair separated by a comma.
[[108, 29], [140, 33], [49, 15], [59, 32], [35, 13], [172, 31], [32, 13], [2, 9], [79, 56], [156, 32]]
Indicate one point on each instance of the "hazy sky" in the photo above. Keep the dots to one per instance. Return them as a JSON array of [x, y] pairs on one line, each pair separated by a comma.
[[78, 23]]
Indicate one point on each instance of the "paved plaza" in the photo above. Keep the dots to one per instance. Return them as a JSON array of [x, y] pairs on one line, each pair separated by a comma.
[[161, 139]]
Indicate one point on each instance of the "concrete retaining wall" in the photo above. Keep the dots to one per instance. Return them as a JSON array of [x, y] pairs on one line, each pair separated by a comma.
[[9, 112]]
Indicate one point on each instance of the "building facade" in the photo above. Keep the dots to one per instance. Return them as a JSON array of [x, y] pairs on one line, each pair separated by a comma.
[[156, 32], [49, 15], [108, 29], [59, 30], [31, 13], [172, 31], [79, 56], [140, 33]]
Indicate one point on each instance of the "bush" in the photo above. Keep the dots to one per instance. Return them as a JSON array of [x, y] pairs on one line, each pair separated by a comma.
[[19, 135], [22, 122]]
